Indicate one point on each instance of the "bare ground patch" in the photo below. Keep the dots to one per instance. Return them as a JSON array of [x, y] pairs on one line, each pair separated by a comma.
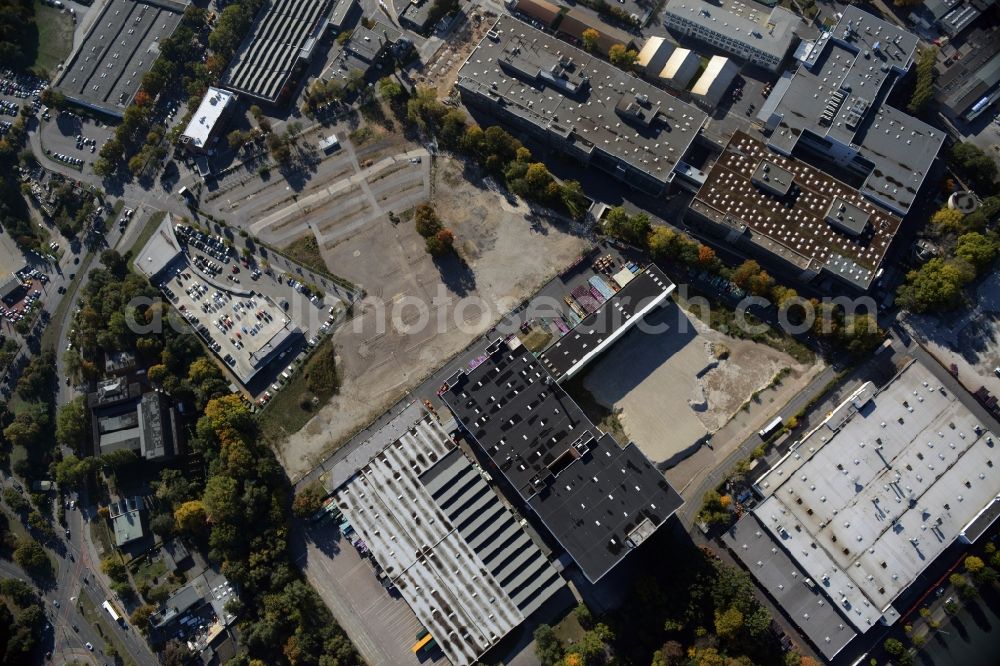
[[507, 256], [671, 387]]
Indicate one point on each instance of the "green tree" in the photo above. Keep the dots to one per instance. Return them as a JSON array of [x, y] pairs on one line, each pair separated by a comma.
[[948, 219], [309, 500], [728, 623], [191, 517], [923, 90], [975, 164], [936, 286], [978, 250], [620, 56], [744, 273], [548, 649], [974, 565], [590, 37], [31, 557], [73, 423], [893, 647], [391, 90], [140, 617], [113, 567]]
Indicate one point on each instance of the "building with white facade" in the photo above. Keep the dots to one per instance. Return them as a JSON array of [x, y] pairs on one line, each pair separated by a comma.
[[749, 31]]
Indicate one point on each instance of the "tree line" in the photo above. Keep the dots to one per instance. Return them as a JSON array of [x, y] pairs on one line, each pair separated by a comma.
[[501, 154], [857, 333]]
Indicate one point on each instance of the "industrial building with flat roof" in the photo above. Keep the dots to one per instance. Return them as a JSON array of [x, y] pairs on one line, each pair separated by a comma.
[[122, 417], [106, 71], [446, 540], [597, 331], [208, 122], [832, 110], [867, 501], [971, 84], [794, 213], [760, 36], [286, 34], [600, 500], [580, 105]]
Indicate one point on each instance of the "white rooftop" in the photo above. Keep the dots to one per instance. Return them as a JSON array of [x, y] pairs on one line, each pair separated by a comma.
[[454, 551], [213, 104], [874, 494]]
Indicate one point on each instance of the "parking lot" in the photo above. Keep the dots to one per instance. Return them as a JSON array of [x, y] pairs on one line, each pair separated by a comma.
[[256, 320], [381, 625], [75, 137]]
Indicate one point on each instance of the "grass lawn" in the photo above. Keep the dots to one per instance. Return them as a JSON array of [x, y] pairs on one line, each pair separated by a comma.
[[723, 319], [536, 340], [101, 621], [316, 378], [569, 630], [55, 37], [147, 233], [101, 534], [305, 251], [149, 573]]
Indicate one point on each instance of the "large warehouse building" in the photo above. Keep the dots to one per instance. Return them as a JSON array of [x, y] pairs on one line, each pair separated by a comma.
[[832, 110], [746, 30], [794, 215], [452, 548], [854, 514], [597, 498], [105, 72], [285, 35], [580, 104]]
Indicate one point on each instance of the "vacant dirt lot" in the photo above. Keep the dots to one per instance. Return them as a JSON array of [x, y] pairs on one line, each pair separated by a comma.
[[390, 346], [672, 389]]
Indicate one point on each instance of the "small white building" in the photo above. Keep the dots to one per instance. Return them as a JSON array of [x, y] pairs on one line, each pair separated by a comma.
[[654, 55], [681, 67], [714, 81], [329, 144], [208, 121]]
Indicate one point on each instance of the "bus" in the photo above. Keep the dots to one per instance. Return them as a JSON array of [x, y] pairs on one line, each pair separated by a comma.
[[768, 431], [111, 611]]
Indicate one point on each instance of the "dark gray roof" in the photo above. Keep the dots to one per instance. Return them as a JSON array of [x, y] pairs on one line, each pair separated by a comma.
[[286, 31], [118, 49], [369, 43], [571, 94], [340, 13], [157, 426], [417, 13], [975, 85], [982, 522], [814, 614], [592, 335], [597, 498], [838, 95]]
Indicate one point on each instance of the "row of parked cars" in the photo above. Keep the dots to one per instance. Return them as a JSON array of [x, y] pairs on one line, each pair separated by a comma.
[[68, 159], [213, 246]]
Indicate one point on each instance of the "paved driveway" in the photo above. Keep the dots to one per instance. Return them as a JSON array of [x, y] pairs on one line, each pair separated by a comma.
[[382, 627]]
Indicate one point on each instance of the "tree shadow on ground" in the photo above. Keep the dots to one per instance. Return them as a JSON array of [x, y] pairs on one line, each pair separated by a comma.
[[456, 274]]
